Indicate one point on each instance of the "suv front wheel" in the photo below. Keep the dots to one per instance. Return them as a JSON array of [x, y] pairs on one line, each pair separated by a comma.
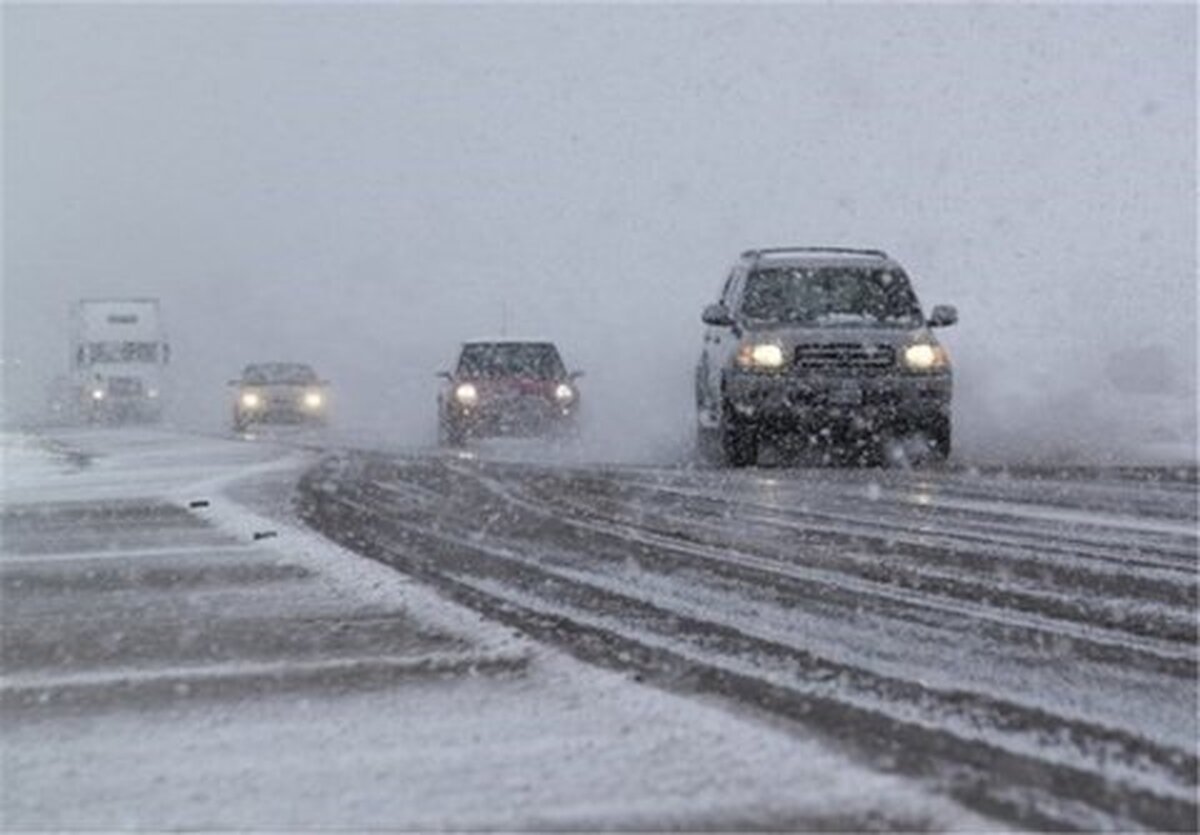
[[939, 438], [739, 440], [450, 433]]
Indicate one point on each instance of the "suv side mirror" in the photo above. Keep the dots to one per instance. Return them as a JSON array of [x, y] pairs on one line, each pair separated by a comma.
[[574, 375], [445, 375], [943, 315], [717, 314]]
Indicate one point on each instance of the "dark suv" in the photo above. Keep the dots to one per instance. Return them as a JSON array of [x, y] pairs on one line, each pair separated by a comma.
[[828, 344], [507, 387]]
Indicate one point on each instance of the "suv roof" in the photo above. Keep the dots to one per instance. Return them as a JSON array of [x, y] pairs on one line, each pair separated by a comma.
[[808, 254], [504, 340]]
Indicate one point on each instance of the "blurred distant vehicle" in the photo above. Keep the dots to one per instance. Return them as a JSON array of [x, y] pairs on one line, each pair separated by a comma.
[[279, 392], [826, 344], [507, 388], [118, 357]]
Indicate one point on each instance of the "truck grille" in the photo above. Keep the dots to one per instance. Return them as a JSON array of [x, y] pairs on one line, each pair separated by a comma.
[[125, 386], [836, 356]]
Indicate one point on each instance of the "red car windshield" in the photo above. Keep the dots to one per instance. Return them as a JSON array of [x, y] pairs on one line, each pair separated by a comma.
[[511, 359]]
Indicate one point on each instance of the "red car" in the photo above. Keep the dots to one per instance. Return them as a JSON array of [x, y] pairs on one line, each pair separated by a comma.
[[507, 388]]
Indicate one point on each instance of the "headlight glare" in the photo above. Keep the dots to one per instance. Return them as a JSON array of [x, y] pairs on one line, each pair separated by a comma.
[[924, 357], [251, 400], [564, 393], [466, 394], [97, 394], [313, 399], [760, 355]]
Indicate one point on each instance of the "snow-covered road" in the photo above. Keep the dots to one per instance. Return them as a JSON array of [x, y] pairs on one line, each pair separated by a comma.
[[179, 652], [1024, 640]]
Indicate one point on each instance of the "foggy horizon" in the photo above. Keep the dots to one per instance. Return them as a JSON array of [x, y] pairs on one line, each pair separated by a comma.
[[364, 187]]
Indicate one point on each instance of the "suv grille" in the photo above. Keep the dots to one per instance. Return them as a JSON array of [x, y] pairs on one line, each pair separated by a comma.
[[845, 355]]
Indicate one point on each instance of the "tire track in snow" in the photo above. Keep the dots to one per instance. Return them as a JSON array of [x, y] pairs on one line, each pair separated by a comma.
[[453, 532]]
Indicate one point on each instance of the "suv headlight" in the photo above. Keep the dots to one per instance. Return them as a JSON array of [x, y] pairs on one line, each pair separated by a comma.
[[313, 399], [251, 400], [925, 356], [564, 394], [761, 355], [466, 394]]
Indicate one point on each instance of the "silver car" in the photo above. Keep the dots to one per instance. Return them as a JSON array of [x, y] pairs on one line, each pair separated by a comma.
[[827, 345], [279, 392]]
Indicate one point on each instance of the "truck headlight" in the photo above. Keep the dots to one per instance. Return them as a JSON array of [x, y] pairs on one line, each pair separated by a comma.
[[466, 394], [925, 357], [251, 400], [564, 394], [760, 355], [313, 399]]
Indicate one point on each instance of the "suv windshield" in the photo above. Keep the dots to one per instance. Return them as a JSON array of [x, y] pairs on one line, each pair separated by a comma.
[[830, 296], [532, 359], [279, 372]]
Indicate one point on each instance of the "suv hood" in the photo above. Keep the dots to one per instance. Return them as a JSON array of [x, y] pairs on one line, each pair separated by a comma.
[[789, 335]]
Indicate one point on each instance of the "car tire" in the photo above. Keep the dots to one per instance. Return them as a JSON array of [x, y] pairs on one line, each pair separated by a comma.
[[936, 437], [938, 433], [739, 441], [451, 435], [708, 446], [569, 431]]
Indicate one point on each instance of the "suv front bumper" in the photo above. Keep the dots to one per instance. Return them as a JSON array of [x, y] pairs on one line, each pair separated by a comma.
[[815, 401]]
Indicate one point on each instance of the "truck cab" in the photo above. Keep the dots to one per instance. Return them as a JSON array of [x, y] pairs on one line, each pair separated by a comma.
[[118, 358]]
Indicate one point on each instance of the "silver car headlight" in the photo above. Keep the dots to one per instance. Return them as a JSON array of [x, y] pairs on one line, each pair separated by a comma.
[[251, 400], [313, 399], [925, 356], [760, 355]]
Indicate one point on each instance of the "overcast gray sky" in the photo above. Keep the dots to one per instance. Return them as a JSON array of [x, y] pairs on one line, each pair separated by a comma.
[[364, 186]]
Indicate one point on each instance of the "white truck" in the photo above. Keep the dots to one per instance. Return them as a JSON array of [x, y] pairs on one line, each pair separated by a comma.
[[119, 354]]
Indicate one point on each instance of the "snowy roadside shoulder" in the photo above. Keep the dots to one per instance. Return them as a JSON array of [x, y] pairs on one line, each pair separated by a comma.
[[32, 459], [357, 579], [97, 464], [197, 474]]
